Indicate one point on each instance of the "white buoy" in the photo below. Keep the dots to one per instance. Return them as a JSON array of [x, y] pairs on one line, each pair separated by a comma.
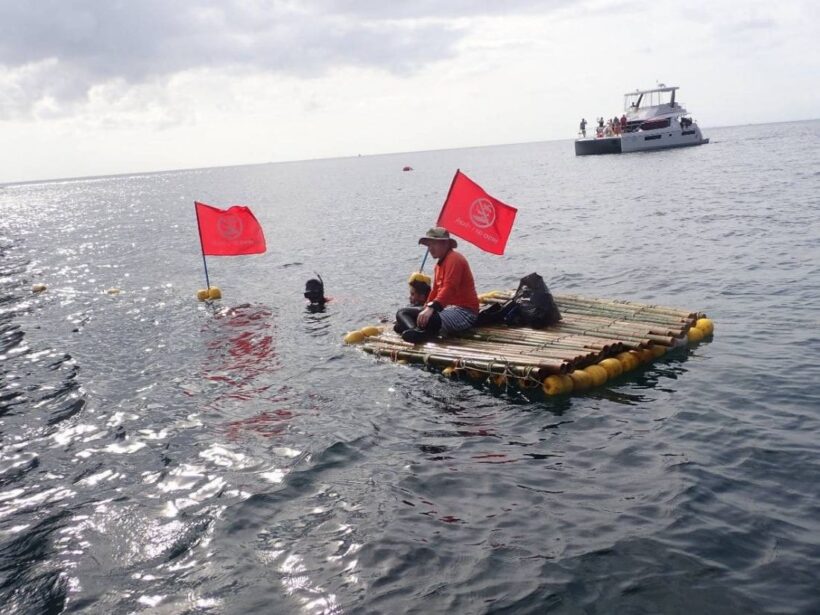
[[38, 288]]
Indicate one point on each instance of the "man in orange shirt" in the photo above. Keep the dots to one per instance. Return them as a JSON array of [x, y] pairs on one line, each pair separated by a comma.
[[452, 304]]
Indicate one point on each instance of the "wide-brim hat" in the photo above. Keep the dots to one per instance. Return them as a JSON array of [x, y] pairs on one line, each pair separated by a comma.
[[437, 233]]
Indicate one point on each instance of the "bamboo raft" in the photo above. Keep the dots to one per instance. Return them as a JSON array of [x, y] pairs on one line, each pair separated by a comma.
[[596, 340]]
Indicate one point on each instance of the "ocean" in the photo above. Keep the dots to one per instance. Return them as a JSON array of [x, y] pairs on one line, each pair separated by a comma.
[[162, 455]]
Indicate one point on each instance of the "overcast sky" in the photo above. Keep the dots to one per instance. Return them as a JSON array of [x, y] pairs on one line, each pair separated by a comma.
[[95, 87]]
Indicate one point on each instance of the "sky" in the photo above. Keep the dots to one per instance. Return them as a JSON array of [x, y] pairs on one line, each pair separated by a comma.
[[100, 87]]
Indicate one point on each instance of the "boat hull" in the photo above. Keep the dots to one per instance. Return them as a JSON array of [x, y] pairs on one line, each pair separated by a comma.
[[594, 147], [640, 141]]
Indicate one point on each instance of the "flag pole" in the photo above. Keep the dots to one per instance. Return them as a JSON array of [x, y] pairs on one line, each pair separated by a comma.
[[424, 260], [202, 247], [449, 192]]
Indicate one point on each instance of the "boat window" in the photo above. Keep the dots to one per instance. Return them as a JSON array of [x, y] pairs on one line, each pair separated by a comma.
[[632, 101], [655, 124], [649, 98]]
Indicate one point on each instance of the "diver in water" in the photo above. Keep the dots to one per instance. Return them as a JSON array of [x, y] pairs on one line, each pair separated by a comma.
[[315, 294]]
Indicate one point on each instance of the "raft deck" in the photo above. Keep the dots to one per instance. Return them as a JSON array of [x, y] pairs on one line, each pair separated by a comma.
[[596, 340]]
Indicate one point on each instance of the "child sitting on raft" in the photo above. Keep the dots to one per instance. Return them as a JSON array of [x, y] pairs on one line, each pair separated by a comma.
[[419, 289]]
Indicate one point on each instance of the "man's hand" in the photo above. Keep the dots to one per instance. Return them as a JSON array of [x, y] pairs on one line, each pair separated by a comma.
[[424, 317]]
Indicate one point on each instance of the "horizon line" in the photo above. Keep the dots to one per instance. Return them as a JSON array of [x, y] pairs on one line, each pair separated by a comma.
[[251, 164]]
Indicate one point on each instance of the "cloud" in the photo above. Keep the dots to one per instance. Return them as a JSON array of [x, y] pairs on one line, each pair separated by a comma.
[[58, 50]]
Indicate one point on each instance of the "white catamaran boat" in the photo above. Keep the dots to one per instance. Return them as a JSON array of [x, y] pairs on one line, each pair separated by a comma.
[[654, 120]]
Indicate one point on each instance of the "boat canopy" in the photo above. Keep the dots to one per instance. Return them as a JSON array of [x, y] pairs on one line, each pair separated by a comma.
[[641, 99]]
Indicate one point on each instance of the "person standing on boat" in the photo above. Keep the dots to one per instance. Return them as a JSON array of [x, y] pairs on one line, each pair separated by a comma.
[[583, 127], [452, 305], [623, 122]]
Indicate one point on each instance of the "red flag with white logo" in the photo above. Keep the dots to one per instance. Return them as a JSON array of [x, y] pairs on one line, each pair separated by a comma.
[[229, 232], [475, 216]]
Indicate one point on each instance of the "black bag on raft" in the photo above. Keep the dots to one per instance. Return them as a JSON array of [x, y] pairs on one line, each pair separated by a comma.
[[535, 306], [532, 305]]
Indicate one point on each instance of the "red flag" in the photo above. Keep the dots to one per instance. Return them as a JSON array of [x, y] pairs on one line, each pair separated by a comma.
[[229, 232], [475, 216]]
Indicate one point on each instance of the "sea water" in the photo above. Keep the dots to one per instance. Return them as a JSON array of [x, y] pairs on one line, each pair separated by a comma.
[[159, 454]]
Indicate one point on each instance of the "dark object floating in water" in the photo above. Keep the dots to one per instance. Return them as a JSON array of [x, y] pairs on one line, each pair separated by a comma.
[[315, 291], [408, 168]]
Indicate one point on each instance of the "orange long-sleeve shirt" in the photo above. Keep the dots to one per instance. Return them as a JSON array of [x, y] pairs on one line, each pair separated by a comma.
[[453, 283]]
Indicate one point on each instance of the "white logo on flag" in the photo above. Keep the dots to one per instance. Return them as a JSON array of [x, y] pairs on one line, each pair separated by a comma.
[[482, 213], [230, 227]]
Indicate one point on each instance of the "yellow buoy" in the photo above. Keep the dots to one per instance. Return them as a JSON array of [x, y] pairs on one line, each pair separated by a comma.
[[612, 366], [370, 331], [706, 325], [38, 288], [581, 380], [695, 335], [597, 373], [553, 385], [113, 291], [646, 355], [354, 337], [658, 350], [628, 361], [202, 294], [214, 293], [448, 372]]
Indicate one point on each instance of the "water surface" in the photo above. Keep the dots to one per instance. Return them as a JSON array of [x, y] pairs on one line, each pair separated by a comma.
[[161, 455]]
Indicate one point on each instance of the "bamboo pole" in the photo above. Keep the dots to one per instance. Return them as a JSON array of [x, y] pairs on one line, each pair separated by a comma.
[[567, 301], [646, 339], [625, 303], [534, 344], [627, 317], [512, 352], [626, 325], [500, 355], [546, 364], [573, 358], [623, 310], [535, 334], [516, 337]]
